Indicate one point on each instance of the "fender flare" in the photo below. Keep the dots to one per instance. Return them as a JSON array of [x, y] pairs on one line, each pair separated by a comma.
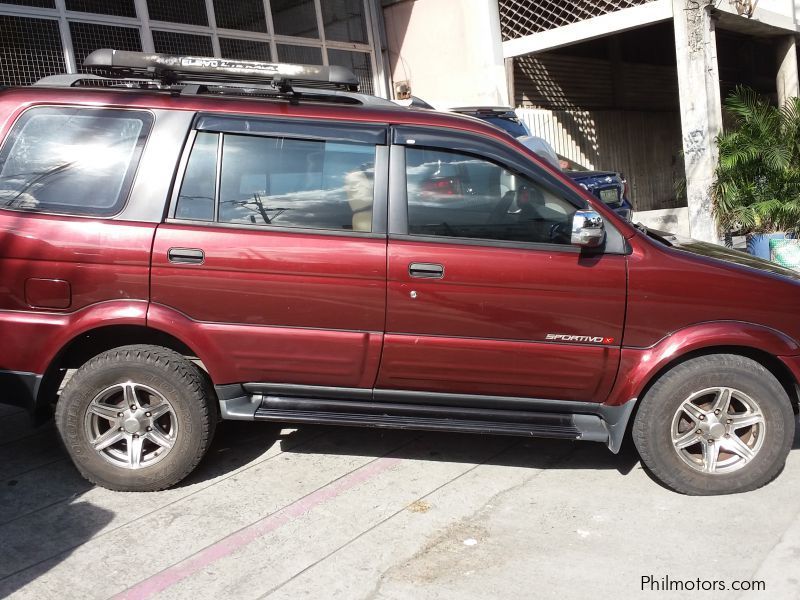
[[639, 366], [70, 326], [139, 313]]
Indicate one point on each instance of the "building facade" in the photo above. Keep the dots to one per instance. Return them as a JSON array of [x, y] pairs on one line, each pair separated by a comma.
[[44, 37], [629, 85]]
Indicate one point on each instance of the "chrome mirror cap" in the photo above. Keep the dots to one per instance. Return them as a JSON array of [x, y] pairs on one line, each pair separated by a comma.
[[588, 230]]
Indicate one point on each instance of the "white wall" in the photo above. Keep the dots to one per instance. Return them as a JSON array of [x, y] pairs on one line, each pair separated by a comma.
[[671, 220], [609, 140], [448, 50]]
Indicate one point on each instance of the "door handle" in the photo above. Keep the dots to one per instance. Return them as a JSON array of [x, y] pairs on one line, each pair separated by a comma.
[[188, 256], [426, 270]]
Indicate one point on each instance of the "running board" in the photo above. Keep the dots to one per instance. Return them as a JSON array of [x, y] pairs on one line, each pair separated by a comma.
[[279, 409]]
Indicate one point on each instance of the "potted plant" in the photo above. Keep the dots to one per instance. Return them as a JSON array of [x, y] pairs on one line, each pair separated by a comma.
[[756, 191]]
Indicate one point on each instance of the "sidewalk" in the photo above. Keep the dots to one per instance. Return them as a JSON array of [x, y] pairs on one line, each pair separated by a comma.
[[355, 513]]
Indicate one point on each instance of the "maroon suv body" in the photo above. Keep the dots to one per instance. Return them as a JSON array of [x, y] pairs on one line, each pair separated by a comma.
[[418, 311]]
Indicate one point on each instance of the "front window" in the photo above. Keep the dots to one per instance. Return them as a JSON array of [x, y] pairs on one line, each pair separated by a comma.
[[462, 196]]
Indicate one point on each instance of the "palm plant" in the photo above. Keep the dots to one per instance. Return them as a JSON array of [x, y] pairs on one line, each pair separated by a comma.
[[757, 181]]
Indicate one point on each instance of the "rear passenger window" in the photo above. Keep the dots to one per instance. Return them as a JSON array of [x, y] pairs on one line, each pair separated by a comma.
[[77, 161], [280, 182]]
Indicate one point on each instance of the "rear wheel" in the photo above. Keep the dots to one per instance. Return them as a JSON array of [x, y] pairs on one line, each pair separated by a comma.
[[136, 418], [717, 424]]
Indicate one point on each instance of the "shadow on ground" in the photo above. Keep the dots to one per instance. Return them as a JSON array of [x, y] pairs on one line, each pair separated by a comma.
[[44, 515], [23, 450], [470, 448], [237, 443]]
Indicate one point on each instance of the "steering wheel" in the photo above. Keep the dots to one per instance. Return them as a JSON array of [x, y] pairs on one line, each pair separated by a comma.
[[561, 233], [500, 209]]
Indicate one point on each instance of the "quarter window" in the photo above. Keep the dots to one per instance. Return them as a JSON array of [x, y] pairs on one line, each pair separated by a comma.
[[196, 198], [462, 196], [72, 160], [279, 182]]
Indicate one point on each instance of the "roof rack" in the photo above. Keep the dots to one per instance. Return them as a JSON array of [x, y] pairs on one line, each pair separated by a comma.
[[170, 69], [191, 75]]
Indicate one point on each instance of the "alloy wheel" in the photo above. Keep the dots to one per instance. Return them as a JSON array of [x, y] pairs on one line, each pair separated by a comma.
[[131, 425], [718, 430]]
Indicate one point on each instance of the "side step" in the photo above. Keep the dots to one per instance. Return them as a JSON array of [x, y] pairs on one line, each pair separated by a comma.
[[430, 418]]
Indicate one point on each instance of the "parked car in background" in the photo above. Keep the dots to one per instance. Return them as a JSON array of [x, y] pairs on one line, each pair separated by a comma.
[[609, 186], [503, 117]]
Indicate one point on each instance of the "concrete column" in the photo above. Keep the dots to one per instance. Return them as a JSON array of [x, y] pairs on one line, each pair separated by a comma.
[[510, 89], [788, 80], [701, 109]]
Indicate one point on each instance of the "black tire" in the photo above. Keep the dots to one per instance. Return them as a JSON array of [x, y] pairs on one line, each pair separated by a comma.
[[179, 382], [653, 427]]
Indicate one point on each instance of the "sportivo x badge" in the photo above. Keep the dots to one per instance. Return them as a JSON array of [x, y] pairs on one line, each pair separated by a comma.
[[579, 339]]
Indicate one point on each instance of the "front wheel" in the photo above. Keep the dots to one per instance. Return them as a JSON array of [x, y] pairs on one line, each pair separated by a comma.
[[717, 424], [136, 418]]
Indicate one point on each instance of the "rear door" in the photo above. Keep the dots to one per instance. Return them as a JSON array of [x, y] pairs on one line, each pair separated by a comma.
[[486, 296], [275, 250]]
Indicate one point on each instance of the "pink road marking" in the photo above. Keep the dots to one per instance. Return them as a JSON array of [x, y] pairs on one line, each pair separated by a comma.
[[228, 545]]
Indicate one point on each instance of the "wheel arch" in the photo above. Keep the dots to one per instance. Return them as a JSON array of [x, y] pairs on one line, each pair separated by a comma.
[[89, 344], [640, 368], [769, 361]]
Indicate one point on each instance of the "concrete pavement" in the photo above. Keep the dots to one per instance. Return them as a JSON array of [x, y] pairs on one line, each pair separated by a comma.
[[360, 514]]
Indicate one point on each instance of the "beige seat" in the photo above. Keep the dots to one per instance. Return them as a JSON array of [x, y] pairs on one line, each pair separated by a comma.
[[359, 188]]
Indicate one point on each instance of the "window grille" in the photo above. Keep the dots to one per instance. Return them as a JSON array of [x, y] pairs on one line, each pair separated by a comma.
[[303, 55], [519, 18], [297, 18], [358, 63], [191, 12], [344, 20], [244, 49], [171, 42], [117, 8], [30, 50], [245, 15], [31, 46], [88, 37], [36, 3]]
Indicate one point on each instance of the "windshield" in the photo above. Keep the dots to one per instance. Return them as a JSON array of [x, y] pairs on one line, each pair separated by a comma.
[[570, 165], [510, 124]]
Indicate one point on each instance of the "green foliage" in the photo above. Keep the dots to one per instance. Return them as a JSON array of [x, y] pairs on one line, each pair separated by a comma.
[[757, 181]]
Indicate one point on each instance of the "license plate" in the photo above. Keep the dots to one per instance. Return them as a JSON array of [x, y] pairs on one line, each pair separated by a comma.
[[609, 195]]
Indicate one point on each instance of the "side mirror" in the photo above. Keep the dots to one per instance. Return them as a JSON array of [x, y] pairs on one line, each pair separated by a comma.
[[588, 230]]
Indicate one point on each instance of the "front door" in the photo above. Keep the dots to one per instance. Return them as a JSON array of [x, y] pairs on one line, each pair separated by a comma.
[[485, 294]]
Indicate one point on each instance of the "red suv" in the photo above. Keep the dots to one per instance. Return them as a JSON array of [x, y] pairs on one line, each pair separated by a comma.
[[202, 239]]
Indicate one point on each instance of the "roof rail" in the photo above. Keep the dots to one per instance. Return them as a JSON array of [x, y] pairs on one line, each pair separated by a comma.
[[196, 87], [171, 69], [73, 79]]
